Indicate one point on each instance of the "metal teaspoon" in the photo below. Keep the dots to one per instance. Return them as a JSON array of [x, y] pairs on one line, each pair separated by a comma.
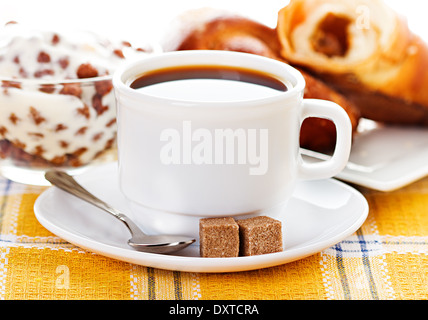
[[139, 240]]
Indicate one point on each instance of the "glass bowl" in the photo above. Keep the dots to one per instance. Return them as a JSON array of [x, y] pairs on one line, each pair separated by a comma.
[[57, 103], [68, 125]]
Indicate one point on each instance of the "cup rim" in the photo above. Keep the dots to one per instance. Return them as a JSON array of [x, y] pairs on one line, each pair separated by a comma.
[[55, 82], [130, 71]]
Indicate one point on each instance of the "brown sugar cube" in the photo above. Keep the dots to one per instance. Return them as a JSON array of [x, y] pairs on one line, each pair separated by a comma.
[[218, 237], [259, 235]]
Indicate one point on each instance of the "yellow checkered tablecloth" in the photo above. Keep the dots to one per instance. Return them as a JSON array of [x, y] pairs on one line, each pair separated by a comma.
[[386, 259]]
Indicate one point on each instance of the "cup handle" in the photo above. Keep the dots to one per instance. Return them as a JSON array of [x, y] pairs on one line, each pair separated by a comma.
[[329, 168]]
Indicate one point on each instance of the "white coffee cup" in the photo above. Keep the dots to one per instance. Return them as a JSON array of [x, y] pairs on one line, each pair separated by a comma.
[[170, 197]]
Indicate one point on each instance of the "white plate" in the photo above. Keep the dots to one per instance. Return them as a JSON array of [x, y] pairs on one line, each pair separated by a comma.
[[386, 158], [319, 215]]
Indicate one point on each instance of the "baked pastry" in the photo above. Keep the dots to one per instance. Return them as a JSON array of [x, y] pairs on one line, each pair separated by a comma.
[[232, 33], [236, 33], [363, 49]]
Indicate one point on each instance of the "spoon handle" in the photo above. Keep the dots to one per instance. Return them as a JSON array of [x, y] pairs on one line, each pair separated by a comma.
[[67, 183]]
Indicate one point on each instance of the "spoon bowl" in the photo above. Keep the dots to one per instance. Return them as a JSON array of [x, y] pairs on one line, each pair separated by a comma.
[[160, 243], [139, 240]]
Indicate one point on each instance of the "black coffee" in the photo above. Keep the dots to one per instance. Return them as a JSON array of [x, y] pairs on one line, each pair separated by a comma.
[[209, 83]]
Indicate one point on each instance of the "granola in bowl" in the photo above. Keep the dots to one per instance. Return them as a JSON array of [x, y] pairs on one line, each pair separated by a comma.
[[57, 103]]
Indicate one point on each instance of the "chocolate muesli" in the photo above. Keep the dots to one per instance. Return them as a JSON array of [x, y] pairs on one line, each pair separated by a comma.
[[57, 103]]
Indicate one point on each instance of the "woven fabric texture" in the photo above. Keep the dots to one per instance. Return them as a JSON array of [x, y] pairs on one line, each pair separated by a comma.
[[386, 259]]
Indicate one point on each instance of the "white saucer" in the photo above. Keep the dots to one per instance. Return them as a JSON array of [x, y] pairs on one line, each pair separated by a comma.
[[385, 158], [319, 215], [388, 157]]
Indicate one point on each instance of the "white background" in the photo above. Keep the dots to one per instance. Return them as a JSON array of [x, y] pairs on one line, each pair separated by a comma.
[[141, 21]]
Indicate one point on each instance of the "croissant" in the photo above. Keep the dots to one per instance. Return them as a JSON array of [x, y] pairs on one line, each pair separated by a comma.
[[365, 50], [233, 33], [237, 33]]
